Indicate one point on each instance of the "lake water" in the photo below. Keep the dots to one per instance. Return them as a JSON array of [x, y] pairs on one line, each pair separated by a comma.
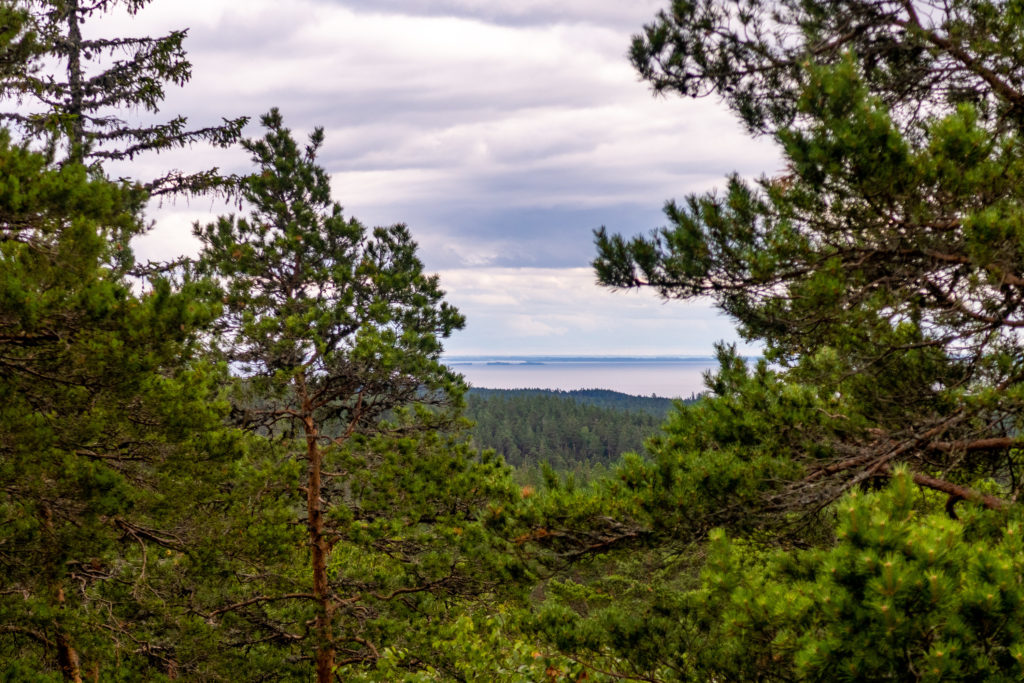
[[669, 377]]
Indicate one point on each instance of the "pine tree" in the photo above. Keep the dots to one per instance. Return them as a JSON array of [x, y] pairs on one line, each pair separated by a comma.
[[107, 422], [336, 333], [919, 62], [884, 271], [83, 86], [904, 594]]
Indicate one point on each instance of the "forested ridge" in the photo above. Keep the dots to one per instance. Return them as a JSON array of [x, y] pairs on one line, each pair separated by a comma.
[[253, 465], [572, 431], [656, 406]]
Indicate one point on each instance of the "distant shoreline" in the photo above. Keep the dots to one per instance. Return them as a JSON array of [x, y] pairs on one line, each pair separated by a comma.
[[662, 376]]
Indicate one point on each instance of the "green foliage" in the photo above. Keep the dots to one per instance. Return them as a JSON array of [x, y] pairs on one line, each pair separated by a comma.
[[755, 55], [337, 334], [882, 273], [322, 507], [140, 537], [580, 432], [600, 398], [107, 418], [722, 460], [885, 268], [309, 292], [483, 647], [18, 40], [612, 590], [410, 555], [905, 593], [110, 429]]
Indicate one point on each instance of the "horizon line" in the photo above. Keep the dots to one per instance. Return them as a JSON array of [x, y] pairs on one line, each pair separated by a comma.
[[618, 356]]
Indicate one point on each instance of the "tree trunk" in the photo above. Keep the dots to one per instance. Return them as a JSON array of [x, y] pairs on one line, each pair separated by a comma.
[[76, 91], [67, 656], [319, 551]]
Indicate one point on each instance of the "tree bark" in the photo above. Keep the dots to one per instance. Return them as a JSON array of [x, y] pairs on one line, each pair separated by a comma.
[[67, 656], [319, 552]]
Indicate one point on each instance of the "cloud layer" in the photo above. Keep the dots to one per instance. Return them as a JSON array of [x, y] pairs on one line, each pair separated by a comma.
[[503, 132], [562, 312]]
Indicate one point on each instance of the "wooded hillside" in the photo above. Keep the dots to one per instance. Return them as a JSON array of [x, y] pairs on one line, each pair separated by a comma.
[[572, 431]]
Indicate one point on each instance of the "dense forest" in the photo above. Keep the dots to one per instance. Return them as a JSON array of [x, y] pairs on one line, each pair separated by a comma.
[[655, 406], [572, 431], [252, 465]]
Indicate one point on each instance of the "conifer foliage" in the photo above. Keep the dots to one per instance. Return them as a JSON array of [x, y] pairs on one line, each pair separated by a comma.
[[83, 86], [864, 478], [905, 593], [336, 332], [253, 467], [885, 269], [106, 416]]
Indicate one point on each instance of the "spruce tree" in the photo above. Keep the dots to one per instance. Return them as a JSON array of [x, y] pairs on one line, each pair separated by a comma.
[[81, 88], [111, 437], [18, 41]]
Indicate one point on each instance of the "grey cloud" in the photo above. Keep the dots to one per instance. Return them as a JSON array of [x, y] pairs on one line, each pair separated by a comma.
[[514, 162], [628, 15], [461, 236]]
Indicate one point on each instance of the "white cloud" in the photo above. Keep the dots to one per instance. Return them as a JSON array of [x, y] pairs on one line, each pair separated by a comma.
[[541, 309]]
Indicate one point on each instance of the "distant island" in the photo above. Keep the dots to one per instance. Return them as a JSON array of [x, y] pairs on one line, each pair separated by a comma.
[[510, 362]]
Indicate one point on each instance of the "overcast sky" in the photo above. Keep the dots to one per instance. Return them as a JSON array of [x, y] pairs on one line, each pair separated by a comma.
[[503, 132]]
